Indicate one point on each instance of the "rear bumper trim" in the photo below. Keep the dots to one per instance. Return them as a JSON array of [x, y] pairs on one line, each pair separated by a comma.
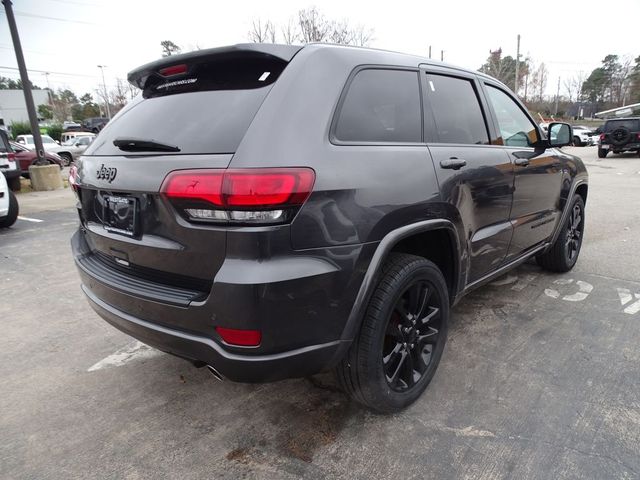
[[240, 368]]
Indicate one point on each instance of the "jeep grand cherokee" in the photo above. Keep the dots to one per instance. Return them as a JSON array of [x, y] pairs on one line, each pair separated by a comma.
[[275, 211]]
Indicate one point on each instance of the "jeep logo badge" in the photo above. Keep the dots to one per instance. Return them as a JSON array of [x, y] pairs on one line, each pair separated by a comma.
[[106, 173]]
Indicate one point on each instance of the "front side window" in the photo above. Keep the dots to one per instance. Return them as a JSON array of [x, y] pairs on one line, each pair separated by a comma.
[[381, 106], [456, 110], [516, 129]]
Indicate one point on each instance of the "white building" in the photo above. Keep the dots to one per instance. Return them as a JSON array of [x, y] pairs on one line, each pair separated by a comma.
[[13, 107]]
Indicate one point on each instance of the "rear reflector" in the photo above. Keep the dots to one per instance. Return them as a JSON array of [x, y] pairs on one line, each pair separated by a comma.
[[267, 195], [244, 338]]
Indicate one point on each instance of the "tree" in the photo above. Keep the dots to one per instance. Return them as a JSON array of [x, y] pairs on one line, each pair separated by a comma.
[[11, 84], [573, 86], [45, 111], [634, 78], [504, 68], [310, 26], [610, 82], [169, 48]]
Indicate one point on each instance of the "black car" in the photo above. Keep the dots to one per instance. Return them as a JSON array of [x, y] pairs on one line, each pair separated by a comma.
[[619, 135], [94, 124], [275, 211]]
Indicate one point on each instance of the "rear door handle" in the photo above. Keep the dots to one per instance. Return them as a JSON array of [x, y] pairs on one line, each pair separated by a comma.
[[454, 163]]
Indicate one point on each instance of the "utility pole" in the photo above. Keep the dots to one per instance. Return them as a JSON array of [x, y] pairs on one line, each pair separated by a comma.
[[26, 84], [557, 96], [104, 86], [442, 55], [517, 66], [46, 75], [429, 51]]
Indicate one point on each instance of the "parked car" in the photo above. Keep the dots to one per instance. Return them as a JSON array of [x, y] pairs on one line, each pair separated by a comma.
[[8, 164], [581, 135], [66, 136], [70, 150], [48, 143], [68, 125], [8, 205], [25, 158], [95, 124], [290, 240], [619, 135]]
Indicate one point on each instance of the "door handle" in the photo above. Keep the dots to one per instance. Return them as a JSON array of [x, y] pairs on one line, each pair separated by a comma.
[[521, 162], [454, 163]]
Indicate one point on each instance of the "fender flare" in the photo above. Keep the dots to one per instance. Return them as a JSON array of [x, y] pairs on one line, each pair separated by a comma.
[[565, 211], [384, 247]]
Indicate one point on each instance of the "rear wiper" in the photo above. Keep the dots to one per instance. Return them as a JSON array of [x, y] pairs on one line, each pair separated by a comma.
[[141, 145]]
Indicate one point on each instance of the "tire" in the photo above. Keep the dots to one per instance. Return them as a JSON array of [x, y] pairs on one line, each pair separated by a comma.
[[12, 215], [393, 346], [14, 184], [602, 152], [66, 159], [577, 142], [563, 254]]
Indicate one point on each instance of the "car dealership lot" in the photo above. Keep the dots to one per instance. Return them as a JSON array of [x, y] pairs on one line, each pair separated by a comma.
[[540, 377]]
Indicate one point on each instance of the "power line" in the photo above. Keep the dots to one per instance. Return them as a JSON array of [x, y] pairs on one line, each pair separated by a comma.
[[46, 17], [82, 4], [51, 72]]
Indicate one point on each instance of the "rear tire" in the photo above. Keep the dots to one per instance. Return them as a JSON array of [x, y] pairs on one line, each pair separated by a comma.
[[12, 215], [602, 152], [402, 337], [577, 142], [563, 254], [66, 159]]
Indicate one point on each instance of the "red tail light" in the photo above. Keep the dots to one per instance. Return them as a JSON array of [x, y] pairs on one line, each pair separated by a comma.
[[244, 338], [73, 177], [11, 156], [173, 70], [265, 195], [638, 135], [601, 136]]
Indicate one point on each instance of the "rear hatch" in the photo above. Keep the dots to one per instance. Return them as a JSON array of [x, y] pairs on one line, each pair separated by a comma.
[[192, 114]]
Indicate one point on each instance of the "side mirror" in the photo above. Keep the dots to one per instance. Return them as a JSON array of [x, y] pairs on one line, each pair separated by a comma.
[[559, 134]]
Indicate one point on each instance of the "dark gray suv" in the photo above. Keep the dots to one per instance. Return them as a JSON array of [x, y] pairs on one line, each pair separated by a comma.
[[276, 211]]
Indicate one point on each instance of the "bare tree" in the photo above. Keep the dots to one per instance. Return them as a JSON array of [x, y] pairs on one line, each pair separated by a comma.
[[169, 48], [262, 32], [314, 27], [361, 36], [290, 33]]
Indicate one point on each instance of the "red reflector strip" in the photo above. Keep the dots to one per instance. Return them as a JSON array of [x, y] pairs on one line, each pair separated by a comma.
[[244, 338], [173, 70]]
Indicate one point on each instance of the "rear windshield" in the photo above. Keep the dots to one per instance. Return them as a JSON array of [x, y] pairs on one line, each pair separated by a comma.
[[207, 109], [631, 124]]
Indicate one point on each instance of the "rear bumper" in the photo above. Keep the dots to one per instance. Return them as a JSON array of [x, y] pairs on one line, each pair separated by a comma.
[[239, 368], [629, 147]]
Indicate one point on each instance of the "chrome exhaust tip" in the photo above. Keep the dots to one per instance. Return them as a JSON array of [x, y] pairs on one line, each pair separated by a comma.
[[215, 373]]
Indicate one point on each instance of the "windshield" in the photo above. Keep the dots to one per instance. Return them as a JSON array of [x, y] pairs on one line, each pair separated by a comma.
[[631, 124]]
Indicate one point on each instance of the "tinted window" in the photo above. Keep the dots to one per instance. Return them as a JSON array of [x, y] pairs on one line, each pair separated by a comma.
[[456, 110], [381, 106], [516, 129], [632, 125]]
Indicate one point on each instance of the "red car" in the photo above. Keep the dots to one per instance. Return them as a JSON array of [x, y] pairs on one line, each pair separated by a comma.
[[26, 157]]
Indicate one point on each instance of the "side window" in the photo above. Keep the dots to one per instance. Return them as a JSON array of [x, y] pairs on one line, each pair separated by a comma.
[[516, 129], [381, 106], [456, 110]]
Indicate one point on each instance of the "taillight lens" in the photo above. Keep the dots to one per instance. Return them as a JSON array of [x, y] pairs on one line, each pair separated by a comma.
[[269, 195], [11, 156], [601, 136]]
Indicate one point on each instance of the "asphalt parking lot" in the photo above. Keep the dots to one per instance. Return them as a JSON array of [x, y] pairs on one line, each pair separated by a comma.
[[540, 377]]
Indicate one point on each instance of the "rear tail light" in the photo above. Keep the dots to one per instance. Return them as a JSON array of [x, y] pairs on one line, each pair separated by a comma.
[[11, 156], [251, 196], [243, 338], [638, 135], [73, 179], [601, 136]]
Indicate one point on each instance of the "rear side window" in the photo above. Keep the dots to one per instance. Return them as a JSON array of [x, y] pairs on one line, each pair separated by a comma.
[[381, 106], [456, 110], [206, 109]]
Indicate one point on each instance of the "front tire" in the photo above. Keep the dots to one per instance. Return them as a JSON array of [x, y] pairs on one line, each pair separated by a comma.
[[402, 337], [577, 142], [602, 152], [12, 215], [563, 254]]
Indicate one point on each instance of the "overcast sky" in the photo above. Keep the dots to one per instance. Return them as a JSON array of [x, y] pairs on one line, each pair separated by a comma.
[[70, 37]]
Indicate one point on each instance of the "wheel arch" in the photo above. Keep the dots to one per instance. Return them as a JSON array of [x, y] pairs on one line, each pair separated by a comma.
[[407, 239]]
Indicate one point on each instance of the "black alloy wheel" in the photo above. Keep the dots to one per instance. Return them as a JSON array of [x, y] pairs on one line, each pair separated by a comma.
[[575, 229], [411, 336]]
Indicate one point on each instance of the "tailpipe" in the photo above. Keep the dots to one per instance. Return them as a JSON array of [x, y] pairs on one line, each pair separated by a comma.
[[215, 373]]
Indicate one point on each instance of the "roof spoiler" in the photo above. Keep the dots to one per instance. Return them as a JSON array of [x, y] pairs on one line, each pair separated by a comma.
[[138, 77]]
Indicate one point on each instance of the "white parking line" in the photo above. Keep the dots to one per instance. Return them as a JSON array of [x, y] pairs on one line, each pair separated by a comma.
[[134, 351], [27, 219]]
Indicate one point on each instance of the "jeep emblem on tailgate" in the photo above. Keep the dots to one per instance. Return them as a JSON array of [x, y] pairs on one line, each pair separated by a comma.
[[106, 173]]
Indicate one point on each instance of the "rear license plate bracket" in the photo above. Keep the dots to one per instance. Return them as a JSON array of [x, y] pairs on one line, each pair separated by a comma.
[[120, 215]]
